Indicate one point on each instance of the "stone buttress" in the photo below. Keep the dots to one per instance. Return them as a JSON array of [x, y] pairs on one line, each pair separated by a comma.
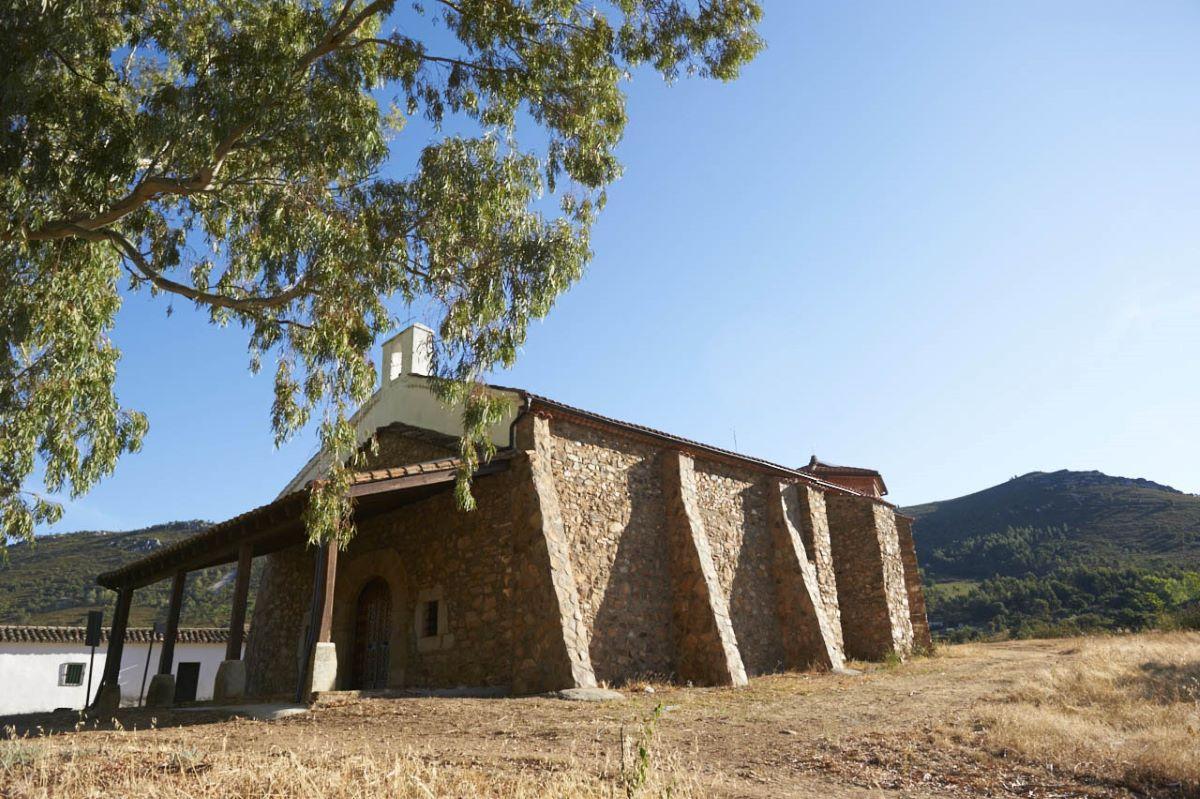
[[812, 522], [550, 643], [706, 648], [912, 583], [808, 634], [870, 577]]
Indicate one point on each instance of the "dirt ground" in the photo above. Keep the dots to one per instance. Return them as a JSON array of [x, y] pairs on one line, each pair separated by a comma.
[[910, 730]]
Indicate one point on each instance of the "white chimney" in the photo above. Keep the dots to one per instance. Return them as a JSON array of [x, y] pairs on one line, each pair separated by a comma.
[[409, 352]]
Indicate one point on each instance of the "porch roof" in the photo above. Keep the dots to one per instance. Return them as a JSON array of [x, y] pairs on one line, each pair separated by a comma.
[[280, 524]]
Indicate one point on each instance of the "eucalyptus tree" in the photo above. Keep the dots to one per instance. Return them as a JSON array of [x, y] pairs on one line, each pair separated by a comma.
[[240, 155]]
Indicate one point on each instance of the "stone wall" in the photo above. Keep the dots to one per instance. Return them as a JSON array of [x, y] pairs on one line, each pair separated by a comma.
[[870, 578], [430, 546], [279, 623], [912, 583], [733, 503], [465, 557], [610, 497], [400, 444]]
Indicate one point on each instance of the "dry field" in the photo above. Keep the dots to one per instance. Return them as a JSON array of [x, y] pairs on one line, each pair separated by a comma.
[[1071, 718]]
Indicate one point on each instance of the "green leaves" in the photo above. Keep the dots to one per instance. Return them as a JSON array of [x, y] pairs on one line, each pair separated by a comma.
[[232, 153]]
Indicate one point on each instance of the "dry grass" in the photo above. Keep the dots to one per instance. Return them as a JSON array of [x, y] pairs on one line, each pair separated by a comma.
[[58, 765], [1124, 708], [1112, 718], [179, 774]]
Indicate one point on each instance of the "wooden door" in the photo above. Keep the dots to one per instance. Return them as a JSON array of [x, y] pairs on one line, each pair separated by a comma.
[[371, 628]]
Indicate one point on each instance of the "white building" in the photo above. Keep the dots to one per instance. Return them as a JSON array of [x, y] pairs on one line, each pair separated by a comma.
[[46, 668]]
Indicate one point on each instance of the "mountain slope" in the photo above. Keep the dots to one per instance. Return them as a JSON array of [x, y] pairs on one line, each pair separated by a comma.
[[53, 580], [1060, 553], [1099, 519]]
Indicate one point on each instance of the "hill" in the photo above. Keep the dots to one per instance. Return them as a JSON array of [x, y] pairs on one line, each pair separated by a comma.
[[1104, 520], [1061, 552], [53, 579]]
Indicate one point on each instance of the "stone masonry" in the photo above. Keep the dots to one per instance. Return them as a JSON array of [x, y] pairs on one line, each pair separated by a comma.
[[870, 577], [912, 584], [805, 629], [611, 499], [707, 651], [733, 507]]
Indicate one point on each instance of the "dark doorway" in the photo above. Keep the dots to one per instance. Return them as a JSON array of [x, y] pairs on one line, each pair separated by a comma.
[[371, 626], [186, 680]]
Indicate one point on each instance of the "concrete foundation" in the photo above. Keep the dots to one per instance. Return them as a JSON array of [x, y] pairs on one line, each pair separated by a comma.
[[161, 692], [322, 668], [230, 682], [107, 702]]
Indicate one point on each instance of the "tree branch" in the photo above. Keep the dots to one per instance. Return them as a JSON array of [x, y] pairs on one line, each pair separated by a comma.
[[248, 304], [152, 187]]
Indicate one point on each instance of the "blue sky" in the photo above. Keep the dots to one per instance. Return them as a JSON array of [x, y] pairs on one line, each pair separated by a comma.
[[953, 241]]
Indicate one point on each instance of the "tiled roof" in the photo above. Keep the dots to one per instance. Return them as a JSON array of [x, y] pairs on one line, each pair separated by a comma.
[[30, 634]]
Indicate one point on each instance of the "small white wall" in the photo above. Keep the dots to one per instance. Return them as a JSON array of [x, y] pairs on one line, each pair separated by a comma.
[[29, 673]]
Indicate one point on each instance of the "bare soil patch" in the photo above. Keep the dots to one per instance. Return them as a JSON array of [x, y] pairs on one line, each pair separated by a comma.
[[937, 726]]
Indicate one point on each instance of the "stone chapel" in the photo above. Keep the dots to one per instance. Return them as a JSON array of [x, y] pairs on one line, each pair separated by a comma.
[[601, 551]]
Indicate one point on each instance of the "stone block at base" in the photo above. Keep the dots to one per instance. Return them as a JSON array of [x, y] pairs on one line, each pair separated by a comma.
[[161, 692], [230, 682], [108, 700], [322, 669]]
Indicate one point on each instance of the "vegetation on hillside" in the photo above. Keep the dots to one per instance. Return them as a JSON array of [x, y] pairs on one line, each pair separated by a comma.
[[53, 579], [1067, 601], [1059, 554]]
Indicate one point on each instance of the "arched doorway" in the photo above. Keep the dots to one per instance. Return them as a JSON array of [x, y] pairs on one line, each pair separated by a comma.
[[371, 632]]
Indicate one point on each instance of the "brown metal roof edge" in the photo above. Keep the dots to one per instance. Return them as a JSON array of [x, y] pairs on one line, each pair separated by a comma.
[[596, 419]]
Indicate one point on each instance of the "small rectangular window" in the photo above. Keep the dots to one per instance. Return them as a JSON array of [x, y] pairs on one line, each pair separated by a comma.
[[70, 674], [429, 626]]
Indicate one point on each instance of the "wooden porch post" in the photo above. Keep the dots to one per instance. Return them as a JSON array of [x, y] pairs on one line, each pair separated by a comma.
[[166, 658], [241, 590], [108, 695], [319, 669], [230, 683], [329, 554]]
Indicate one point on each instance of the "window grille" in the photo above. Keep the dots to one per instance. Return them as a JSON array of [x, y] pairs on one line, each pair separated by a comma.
[[71, 674]]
